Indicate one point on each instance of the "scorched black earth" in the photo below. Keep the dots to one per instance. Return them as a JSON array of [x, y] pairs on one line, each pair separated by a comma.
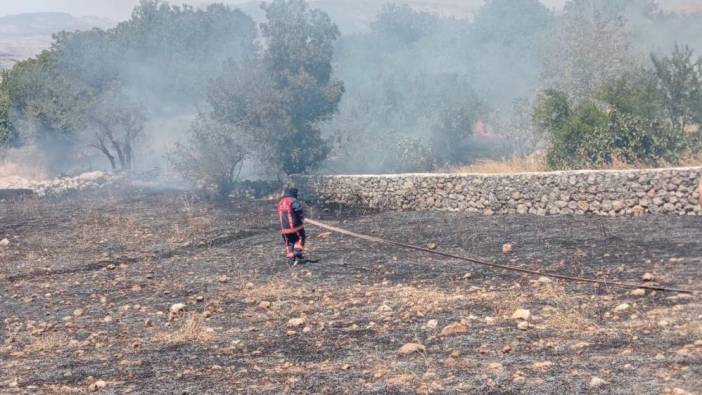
[[159, 292]]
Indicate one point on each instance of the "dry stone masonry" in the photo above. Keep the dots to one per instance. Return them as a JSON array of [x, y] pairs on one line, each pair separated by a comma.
[[672, 191]]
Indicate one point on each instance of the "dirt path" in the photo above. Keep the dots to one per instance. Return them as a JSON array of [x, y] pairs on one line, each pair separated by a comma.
[[87, 285]]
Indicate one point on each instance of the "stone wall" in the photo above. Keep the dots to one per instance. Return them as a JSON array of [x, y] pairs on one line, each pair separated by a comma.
[[602, 192]]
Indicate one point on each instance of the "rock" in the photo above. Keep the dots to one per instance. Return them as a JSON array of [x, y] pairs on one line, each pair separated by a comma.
[[521, 314], [249, 285], [96, 386], [78, 312], [306, 329], [638, 292], [107, 319], [4, 243], [411, 348], [506, 248], [175, 310], [148, 323], [596, 382], [111, 267], [467, 276], [523, 325], [544, 280], [291, 333], [431, 324], [542, 365], [432, 246], [622, 307], [223, 279], [495, 367], [325, 235], [454, 329], [295, 322], [265, 304], [647, 277]]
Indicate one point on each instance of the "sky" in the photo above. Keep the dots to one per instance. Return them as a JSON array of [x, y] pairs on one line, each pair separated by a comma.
[[120, 9]]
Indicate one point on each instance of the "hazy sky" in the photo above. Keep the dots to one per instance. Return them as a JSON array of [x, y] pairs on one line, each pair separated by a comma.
[[121, 9]]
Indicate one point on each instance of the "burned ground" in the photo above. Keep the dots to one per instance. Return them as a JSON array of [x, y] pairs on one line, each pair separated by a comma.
[[88, 283]]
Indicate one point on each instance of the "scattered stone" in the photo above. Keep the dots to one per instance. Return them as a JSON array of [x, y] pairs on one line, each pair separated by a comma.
[[432, 246], [521, 314], [295, 322], [96, 386], [544, 280], [506, 248], [291, 333], [495, 367], [431, 324], [523, 325], [411, 348], [175, 310], [596, 382], [467, 276], [506, 349], [78, 312], [306, 329], [638, 292], [111, 267], [4, 243], [325, 235], [622, 307], [265, 304], [223, 279], [454, 329], [199, 298], [648, 277], [542, 365], [107, 319], [148, 323], [249, 285]]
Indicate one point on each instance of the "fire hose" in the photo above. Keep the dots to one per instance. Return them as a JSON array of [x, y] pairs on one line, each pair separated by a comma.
[[379, 240]]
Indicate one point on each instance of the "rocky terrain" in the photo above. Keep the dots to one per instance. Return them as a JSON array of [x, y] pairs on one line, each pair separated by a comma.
[[159, 292], [13, 185]]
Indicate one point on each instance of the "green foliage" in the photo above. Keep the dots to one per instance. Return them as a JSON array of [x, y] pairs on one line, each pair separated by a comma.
[[634, 93], [586, 135], [279, 99], [6, 130], [680, 83], [400, 23]]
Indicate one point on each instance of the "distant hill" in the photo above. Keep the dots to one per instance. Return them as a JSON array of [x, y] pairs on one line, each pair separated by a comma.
[[25, 35], [48, 23]]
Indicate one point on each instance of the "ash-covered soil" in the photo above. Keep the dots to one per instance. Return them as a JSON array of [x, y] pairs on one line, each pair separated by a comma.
[[87, 284]]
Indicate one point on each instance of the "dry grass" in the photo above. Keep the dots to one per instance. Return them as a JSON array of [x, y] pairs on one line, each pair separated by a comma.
[[189, 328], [537, 163], [526, 164], [47, 342]]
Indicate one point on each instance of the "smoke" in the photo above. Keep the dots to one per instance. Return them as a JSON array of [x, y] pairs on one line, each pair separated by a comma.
[[424, 87]]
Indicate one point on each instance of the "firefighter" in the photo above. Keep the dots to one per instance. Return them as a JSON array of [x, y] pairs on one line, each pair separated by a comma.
[[292, 226]]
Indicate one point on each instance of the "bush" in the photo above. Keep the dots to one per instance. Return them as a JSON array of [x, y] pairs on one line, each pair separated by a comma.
[[592, 135], [212, 156]]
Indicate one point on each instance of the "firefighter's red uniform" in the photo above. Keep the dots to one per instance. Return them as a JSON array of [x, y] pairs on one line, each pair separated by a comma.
[[292, 220]]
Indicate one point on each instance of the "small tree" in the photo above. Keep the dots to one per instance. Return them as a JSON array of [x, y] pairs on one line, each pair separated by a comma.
[[279, 99], [211, 156], [116, 122], [680, 82]]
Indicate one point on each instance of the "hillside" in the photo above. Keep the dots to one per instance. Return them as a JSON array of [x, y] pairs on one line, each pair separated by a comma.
[[25, 35]]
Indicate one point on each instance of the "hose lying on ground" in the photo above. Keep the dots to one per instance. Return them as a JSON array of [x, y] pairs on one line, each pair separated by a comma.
[[497, 265]]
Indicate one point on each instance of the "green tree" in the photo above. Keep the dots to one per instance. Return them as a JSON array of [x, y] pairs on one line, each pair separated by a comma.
[[680, 82], [280, 98], [6, 130]]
